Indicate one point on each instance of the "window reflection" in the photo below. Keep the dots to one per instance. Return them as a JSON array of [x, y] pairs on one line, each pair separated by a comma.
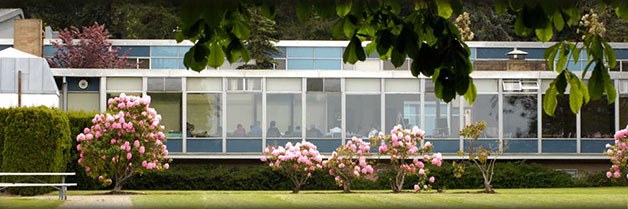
[[363, 115], [244, 115], [623, 111], [563, 124], [598, 119], [323, 117], [283, 112], [441, 119], [168, 105], [520, 116], [485, 108], [404, 109], [203, 115]]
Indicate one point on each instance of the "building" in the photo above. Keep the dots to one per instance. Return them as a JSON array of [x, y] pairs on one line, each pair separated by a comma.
[[7, 18], [311, 95]]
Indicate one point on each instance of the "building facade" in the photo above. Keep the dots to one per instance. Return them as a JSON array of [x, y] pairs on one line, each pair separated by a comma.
[[311, 95]]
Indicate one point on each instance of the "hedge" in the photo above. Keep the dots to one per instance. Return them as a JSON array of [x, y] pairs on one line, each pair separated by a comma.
[[78, 122], [261, 177], [3, 115], [36, 139]]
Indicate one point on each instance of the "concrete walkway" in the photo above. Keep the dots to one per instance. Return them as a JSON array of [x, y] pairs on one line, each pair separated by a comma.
[[97, 202]]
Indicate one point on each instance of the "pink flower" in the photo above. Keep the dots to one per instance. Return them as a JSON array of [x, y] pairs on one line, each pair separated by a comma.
[[80, 137], [263, 159], [101, 178], [80, 160], [417, 187], [89, 136], [432, 179], [144, 163], [341, 165], [113, 141], [136, 143], [142, 150], [87, 169], [129, 156], [86, 130], [166, 166], [421, 171], [617, 174], [78, 147], [383, 148], [609, 174]]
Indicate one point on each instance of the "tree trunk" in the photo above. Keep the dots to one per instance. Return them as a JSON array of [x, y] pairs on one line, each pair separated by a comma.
[[346, 186], [399, 180], [296, 189], [117, 188], [488, 188]]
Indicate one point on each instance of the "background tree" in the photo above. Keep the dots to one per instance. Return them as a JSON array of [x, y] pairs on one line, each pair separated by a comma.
[[86, 48], [145, 20], [125, 141], [261, 44]]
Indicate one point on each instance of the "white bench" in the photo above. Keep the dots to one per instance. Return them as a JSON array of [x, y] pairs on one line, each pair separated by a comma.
[[62, 187]]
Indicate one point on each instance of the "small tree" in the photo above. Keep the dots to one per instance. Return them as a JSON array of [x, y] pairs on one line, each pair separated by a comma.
[[88, 48], [126, 140], [297, 162], [484, 159], [348, 163], [618, 154], [401, 145]]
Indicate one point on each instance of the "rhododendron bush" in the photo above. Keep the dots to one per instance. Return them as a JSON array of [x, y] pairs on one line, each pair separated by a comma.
[[402, 146], [122, 142], [618, 154], [297, 162], [349, 162]]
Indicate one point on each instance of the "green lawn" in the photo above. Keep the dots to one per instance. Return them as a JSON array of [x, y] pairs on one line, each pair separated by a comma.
[[616, 197]]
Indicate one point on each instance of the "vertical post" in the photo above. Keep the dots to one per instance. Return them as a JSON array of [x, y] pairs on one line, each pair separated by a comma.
[[62, 195], [19, 88]]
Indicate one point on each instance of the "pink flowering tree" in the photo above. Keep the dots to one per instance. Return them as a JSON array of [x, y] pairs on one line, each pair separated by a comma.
[[124, 141], [297, 162], [408, 157], [618, 154], [349, 163]]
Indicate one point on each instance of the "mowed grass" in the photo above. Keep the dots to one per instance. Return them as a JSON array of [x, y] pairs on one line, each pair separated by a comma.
[[606, 197], [506, 198]]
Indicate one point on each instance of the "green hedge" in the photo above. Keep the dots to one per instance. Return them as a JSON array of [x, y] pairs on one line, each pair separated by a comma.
[[36, 139], [78, 122], [261, 177], [3, 115]]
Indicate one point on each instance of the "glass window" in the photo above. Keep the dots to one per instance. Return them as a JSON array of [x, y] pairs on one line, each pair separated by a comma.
[[164, 84], [442, 120], [363, 115], [134, 51], [235, 84], [328, 52], [244, 115], [563, 124], [534, 53], [486, 85], [283, 112], [623, 111], [300, 52], [403, 85], [203, 115], [327, 64], [404, 109], [323, 116], [254, 84], [598, 119], [366, 65], [314, 84], [88, 102], [124, 84], [165, 63], [300, 64], [283, 84], [164, 51], [363, 85], [327, 84], [520, 116], [389, 66], [493, 53], [204, 84], [168, 105], [332, 84], [485, 108]]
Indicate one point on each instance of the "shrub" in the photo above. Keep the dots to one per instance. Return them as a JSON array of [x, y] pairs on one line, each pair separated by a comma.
[[124, 141], [618, 154], [3, 115], [295, 162], [348, 163], [401, 146], [36, 139], [78, 121]]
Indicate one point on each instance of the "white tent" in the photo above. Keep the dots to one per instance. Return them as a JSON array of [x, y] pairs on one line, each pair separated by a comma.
[[38, 84]]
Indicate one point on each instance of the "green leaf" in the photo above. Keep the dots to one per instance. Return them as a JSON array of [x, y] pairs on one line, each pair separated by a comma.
[[534, 17], [397, 58], [611, 58], [557, 18], [343, 7], [575, 93], [575, 53], [596, 82], [563, 57], [337, 31], [549, 100], [444, 8], [348, 27], [179, 37], [622, 10], [241, 30], [354, 51], [550, 55], [595, 48], [521, 29], [370, 48], [472, 92], [216, 56], [545, 34], [609, 88]]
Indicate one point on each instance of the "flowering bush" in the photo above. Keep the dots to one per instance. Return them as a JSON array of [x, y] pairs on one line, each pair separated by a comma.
[[401, 145], [618, 154], [297, 162], [480, 156], [126, 140], [348, 162]]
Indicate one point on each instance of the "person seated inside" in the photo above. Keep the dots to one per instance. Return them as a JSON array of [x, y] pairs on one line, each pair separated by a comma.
[[255, 130], [240, 131], [189, 128], [314, 132], [289, 132], [273, 131]]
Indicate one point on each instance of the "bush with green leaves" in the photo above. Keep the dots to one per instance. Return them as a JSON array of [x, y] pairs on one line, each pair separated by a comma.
[[36, 139]]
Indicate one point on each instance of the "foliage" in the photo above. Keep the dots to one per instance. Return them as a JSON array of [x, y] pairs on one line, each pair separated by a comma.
[[4, 112], [86, 48], [261, 44], [122, 142], [37, 139], [618, 154], [401, 145], [296, 162], [78, 121], [143, 20], [349, 163], [480, 156]]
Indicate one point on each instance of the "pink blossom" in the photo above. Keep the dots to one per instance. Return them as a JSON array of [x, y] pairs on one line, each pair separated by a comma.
[[417, 187], [341, 165], [80, 137], [144, 163], [136, 143], [78, 147], [421, 171], [87, 169], [166, 166], [129, 156], [112, 141], [432, 179], [617, 174], [86, 130], [89, 136]]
